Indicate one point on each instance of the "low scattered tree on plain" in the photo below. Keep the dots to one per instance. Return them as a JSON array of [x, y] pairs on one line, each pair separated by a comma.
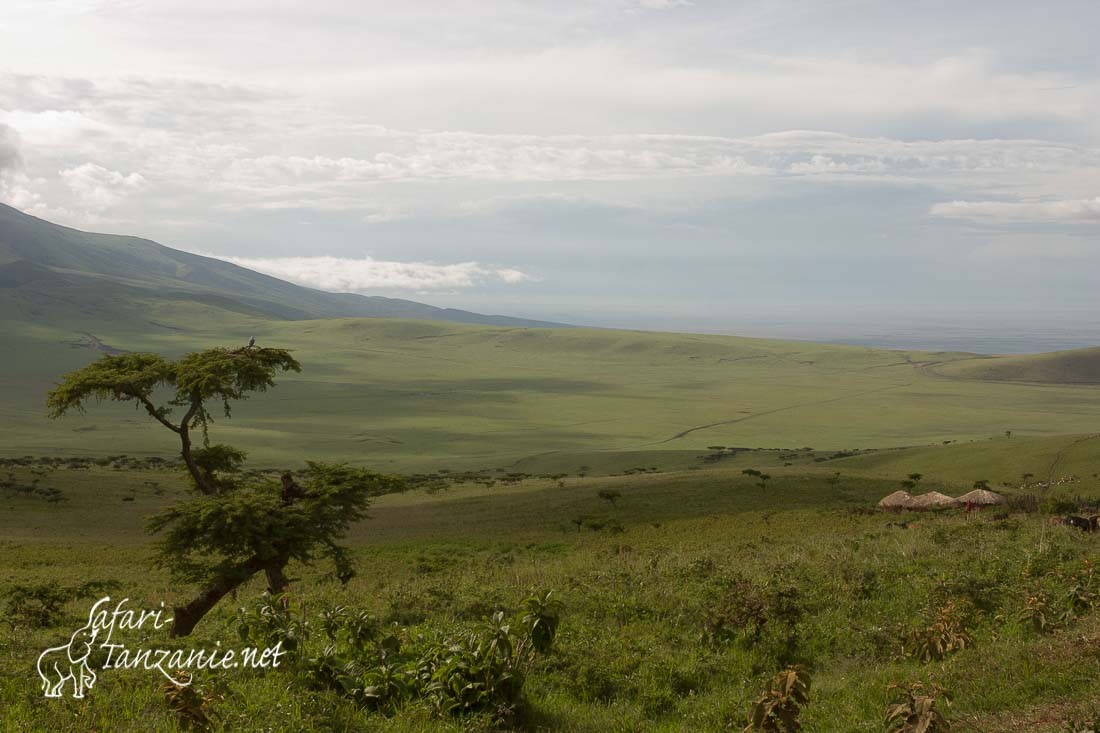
[[610, 495], [762, 478]]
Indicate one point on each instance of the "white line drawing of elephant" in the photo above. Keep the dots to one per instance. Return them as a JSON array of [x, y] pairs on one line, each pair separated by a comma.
[[60, 664]]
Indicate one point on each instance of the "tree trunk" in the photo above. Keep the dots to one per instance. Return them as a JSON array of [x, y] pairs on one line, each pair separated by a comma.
[[187, 617], [277, 582], [202, 480]]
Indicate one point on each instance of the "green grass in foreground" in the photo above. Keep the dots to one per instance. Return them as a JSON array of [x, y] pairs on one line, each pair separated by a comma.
[[632, 651]]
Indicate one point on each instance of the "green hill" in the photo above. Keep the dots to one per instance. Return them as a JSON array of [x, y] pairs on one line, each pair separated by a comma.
[[44, 261], [1080, 366]]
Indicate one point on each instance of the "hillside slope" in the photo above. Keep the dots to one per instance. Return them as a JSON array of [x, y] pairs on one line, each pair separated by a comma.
[[48, 259], [1079, 366]]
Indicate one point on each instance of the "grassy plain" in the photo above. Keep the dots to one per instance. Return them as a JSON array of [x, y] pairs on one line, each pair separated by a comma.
[[419, 395], [633, 651]]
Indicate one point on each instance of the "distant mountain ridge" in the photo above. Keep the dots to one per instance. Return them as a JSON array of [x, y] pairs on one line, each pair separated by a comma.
[[37, 252]]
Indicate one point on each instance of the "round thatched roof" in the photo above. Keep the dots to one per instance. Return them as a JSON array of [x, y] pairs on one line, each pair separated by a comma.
[[933, 500], [982, 497], [897, 500]]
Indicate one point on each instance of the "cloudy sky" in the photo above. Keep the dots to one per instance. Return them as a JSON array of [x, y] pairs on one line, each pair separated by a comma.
[[648, 163]]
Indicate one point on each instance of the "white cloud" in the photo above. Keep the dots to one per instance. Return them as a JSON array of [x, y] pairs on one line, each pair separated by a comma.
[[15, 186], [246, 147], [412, 156], [1077, 210], [385, 215], [9, 151], [338, 274], [404, 156], [51, 126], [100, 187]]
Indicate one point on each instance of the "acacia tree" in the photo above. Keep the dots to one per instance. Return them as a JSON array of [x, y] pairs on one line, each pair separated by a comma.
[[232, 526]]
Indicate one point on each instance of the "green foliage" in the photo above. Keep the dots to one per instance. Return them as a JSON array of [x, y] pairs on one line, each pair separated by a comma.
[[1083, 593], [742, 610], [539, 620], [478, 670], [270, 622], [1038, 614], [39, 605], [123, 378], [946, 635], [225, 375], [915, 709], [761, 477], [761, 617], [1057, 505], [219, 458], [779, 705], [214, 374], [205, 535]]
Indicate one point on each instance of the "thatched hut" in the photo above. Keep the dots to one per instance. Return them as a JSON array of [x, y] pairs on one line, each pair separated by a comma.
[[933, 500], [981, 498], [897, 501]]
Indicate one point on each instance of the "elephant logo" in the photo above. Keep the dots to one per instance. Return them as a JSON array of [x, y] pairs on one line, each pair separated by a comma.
[[60, 665]]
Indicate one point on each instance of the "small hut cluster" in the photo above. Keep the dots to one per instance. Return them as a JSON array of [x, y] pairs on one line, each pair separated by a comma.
[[904, 501]]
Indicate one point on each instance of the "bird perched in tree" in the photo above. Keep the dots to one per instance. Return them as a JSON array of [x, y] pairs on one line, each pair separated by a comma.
[[251, 342]]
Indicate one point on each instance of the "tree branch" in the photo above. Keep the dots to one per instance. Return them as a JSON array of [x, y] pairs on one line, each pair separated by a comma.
[[155, 413], [202, 481], [186, 617]]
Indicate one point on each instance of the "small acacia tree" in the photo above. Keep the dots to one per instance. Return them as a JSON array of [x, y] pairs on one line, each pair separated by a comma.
[[233, 526]]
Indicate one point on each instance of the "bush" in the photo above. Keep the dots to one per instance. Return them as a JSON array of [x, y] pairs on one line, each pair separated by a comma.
[[475, 671], [40, 605], [779, 705], [945, 636], [1053, 505], [192, 704], [915, 709]]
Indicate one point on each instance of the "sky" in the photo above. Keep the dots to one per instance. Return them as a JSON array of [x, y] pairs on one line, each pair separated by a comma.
[[730, 166]]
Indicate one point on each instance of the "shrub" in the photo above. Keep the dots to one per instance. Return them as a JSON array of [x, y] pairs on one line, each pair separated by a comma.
[[763, 618], [1082, 594], [779, 705], [914, 709], [41, 605], [270, 622], [1037, 614], [192, 704], [479, 670], [945, 636], [539, 620], [742, 610], [1053, 505]]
